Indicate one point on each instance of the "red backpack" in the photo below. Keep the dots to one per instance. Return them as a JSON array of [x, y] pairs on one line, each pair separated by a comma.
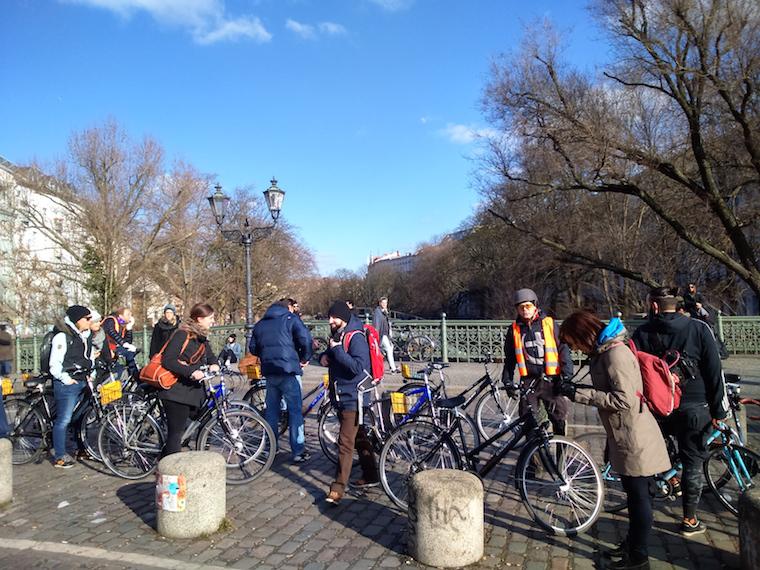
[[662, 386], [375, 354]]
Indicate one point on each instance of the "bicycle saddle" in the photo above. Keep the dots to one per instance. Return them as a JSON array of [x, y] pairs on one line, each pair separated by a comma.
[[449, 403], [33, 383], [439, 365]]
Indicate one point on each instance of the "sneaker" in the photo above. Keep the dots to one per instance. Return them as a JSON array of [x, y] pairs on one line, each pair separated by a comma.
[[65, 462], [628, 564], [690, 527], [675, 484], [333, 497], [618, 551], [362, 484], [82, 455], [302, 457]]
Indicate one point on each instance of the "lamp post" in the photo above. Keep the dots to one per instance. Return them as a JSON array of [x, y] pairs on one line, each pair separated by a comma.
[[246, 236]]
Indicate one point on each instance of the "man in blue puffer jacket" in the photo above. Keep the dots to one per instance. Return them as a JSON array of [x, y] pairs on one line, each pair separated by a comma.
[[349, 365], [283, 343]]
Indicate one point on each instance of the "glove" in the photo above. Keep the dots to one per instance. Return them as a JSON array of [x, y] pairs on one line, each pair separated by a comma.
[[130, 323], [130, 347], [568, 390], [512, 391]]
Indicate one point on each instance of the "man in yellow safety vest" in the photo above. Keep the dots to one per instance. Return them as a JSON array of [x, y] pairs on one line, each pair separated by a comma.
[[532, 346]]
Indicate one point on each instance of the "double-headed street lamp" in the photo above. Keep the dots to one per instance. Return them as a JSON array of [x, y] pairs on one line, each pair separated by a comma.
[[246, 236]]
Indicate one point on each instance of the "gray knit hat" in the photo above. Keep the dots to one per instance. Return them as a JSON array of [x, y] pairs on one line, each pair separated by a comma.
[[526, 296], [170, 307]]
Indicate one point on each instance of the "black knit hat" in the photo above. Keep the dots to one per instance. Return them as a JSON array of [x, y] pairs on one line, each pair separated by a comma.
[[340, 309], [76, 312]]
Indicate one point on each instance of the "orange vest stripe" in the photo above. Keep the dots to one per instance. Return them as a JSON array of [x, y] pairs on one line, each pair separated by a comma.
[[551, 353]]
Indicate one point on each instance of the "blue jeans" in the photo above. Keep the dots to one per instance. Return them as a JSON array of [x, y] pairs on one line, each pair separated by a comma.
[[129, 356], [6, 366], [3, 419], [286, 388], [66, 398]]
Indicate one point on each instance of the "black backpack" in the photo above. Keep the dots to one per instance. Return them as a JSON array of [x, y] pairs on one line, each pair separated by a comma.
[[47, 345]]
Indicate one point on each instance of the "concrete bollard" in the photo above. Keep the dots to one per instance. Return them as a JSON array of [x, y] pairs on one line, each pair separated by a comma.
[[749, 528], [191, 494], [6, 470], [446, 527]]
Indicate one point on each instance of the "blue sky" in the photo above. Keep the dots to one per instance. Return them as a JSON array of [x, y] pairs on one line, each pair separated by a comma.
[[365, 110]]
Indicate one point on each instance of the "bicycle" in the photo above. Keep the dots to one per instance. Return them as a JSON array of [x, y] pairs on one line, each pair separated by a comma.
[[256, 396], [131, 439], [31, 417], [416, 347], [559, 482]]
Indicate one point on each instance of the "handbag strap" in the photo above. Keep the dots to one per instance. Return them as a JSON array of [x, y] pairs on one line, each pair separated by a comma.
[[181, 350]]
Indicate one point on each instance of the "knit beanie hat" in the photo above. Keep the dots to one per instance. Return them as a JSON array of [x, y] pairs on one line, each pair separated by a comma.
[[170, 307], [76, 312], [525, 296], [340, 309], [96, 316]]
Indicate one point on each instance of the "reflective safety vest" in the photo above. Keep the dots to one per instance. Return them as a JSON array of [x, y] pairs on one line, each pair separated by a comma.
[[119, 328], [551, 354]]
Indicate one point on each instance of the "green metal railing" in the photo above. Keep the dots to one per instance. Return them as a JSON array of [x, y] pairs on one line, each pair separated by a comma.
[[455, 340]]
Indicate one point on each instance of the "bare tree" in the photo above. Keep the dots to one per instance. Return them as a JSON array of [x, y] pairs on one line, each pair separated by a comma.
[[673, 125]]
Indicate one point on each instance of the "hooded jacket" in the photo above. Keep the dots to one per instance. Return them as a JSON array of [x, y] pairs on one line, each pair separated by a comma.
[[281, 341], [347, 369], [70, 352], [699, 369], [634, 440]]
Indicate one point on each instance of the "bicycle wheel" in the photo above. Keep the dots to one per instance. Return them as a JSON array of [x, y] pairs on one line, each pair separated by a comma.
[[729, 471], [467, 425], [327, 433], [89, 427], [414, 447], [130, 441], [420, 348], [27, 430], [244, 439], [595, 443], [256, 396], [560, 485], [495, 412]]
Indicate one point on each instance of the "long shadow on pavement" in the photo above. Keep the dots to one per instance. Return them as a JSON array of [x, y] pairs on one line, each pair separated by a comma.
[[141, 499]]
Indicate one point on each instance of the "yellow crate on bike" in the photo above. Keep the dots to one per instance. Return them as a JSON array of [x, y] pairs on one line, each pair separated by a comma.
[[254, 372], [326, 380], [406, 371], [398, 403], [110, 392], [7, 386]]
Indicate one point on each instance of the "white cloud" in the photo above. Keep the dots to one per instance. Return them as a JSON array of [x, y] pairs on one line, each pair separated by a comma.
[[466, 134], [332, 29], [393, 5], [310, 32], [206, 20], [304, 30]]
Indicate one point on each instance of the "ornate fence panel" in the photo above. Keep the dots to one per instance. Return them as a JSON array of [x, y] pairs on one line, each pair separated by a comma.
[[464, 341]]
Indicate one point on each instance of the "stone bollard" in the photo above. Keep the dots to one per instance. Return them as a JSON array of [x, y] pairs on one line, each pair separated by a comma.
[[191, 494], [6, 470], [445, 526], [749, 528]]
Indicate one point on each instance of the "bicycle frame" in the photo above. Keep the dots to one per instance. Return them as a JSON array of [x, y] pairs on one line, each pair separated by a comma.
[[733, 458]]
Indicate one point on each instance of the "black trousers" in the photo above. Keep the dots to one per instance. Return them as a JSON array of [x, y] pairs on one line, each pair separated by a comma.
[[690, 426], [639, 516], [176, 418], [557, 406]]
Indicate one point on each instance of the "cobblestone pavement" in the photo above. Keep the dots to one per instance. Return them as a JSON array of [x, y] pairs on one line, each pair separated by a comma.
[[86, 518]]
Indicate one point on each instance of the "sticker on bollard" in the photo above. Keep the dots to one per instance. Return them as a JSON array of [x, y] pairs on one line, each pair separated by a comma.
[[171, 493]]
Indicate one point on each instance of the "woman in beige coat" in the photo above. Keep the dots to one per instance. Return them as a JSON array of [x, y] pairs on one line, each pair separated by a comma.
[[635, 444]]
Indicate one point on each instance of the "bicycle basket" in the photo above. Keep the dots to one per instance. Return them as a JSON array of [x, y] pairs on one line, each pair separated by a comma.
[[398, 403], [326, 380], [7, 386], [110, 392], [253, 371], [406, 371]]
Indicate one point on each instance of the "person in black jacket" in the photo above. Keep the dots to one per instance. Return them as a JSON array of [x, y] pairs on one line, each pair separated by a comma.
[[703, 396], [187, 394], [163, 329], [349, 365]]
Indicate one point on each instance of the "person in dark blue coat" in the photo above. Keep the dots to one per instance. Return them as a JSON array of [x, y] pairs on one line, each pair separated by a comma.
[[349, 365], [283, 343]]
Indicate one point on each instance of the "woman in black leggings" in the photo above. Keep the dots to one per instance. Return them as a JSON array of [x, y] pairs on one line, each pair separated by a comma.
[[635, 444], [186, 351]]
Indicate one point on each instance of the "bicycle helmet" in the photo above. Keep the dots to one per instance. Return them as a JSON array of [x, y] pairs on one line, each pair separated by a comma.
[[525, 296]]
